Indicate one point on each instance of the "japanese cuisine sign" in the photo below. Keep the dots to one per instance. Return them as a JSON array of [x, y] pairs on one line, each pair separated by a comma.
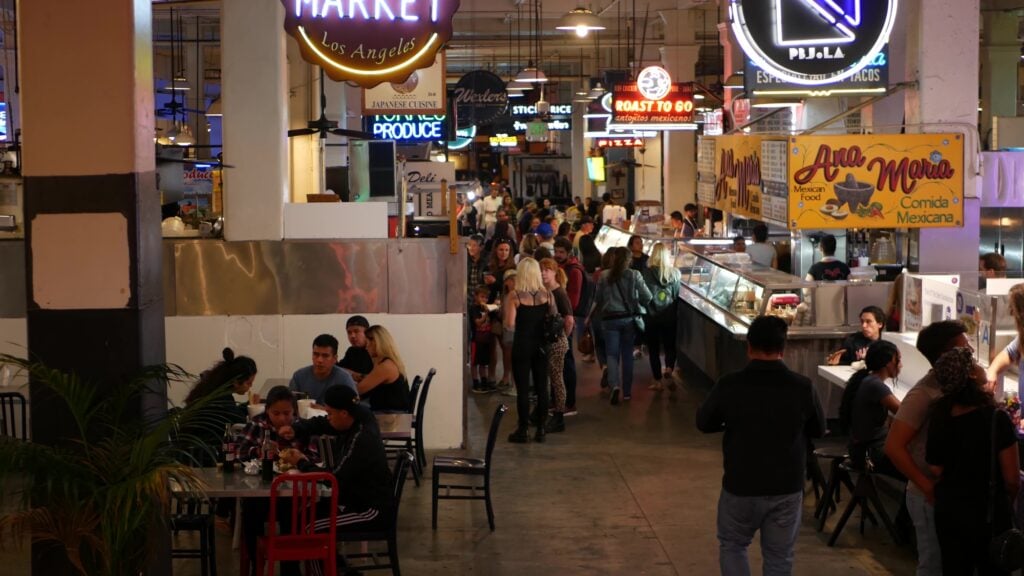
[[876, 181]]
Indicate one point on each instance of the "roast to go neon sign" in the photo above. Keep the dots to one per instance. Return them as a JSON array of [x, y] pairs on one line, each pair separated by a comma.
[[370, 41]]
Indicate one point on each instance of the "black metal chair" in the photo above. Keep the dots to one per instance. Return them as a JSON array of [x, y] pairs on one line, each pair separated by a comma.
[[414, 392], [835, 453], [467, 467], [388, 535], [865, 495], [13, 416], [195, 515], [414, 443]]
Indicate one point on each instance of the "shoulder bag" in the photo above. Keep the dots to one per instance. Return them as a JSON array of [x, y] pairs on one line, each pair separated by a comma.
[[638, 319], [554, 324], [1006, 550]]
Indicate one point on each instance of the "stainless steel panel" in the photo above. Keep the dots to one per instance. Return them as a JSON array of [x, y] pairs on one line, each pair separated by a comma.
[[830, 305], [417, 283], [292, 277], [860, 296], [12, 279]]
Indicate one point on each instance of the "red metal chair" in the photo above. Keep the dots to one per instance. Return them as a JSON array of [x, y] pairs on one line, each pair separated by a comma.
[[303, 542]]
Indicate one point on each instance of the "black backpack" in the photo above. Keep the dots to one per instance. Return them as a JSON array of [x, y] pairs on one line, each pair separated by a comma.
[[587, 291]]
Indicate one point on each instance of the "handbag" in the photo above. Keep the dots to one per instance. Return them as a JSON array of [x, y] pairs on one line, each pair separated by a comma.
[[554, 324], [638, 319], [1006, 549], [586, 344]]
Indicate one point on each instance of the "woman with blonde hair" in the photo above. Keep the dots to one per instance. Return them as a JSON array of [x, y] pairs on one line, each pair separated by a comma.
[[555, 280], [527, 246], [385, 386], [524, 312], [662, 279], [1012, 352]]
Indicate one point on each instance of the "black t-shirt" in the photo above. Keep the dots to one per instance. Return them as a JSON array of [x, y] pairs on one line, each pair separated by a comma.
[[357, 360], [829, 271], [868, 414], [639, 263], [962, 445], [855, 347]]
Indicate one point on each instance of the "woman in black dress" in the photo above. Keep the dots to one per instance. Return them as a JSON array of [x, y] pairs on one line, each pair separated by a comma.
[[385, 386], [525, 309]]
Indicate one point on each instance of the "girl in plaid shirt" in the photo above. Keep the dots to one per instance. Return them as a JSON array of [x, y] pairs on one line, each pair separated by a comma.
[[281, 411]]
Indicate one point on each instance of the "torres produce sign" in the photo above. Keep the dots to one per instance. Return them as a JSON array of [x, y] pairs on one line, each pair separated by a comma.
[[812, 42], [738, 174], [370, 41], [876, 181]]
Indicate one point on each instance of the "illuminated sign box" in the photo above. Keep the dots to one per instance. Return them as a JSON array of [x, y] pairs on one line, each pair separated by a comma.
[[370, 42], [407, 127], [530, 110], [625, 142], [872, 79], [504, 141], [674, 111]]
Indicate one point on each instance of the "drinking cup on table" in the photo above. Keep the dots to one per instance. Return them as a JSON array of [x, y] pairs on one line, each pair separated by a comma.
[[304, 406], [254, 397]]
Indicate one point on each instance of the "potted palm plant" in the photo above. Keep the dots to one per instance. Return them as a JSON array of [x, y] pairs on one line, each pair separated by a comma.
[[98, 493]]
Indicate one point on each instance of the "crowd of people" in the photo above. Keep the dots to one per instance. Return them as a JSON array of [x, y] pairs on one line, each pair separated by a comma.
[[548, 266]]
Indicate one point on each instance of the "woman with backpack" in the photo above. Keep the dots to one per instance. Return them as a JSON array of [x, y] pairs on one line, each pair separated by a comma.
[[621, 296], [662, 279]]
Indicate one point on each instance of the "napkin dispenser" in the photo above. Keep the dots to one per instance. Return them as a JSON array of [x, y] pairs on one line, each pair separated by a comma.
[[8, 222]]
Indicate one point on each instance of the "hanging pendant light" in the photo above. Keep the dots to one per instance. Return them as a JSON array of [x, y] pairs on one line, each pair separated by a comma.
[[597, 91], [185, 136], [531, 74], [580, 20]]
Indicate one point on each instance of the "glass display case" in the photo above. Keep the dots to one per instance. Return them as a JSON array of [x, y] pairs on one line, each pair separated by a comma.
[[742, 293]]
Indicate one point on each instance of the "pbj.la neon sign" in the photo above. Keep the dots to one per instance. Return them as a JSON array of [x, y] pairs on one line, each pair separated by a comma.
[[812, 42], [370, 41]]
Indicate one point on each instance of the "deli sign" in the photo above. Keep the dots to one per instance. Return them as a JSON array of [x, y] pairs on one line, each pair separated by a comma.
[[885, 181], [370, 41]]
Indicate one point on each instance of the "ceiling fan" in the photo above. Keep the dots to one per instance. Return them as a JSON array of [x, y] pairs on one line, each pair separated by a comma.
[[323, 126]]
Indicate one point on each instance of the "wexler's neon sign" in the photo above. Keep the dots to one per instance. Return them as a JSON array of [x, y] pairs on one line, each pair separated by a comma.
[[370, 41], [812, 42]]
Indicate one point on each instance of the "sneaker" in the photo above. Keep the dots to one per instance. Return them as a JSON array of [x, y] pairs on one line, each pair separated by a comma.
[[481, 388], [615, 397], [624, 398], [604, 377], [570, 411], [488, 387], [637, 354], [510, 391]]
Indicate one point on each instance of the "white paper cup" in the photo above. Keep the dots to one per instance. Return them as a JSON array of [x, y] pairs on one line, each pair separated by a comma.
[[255, 409], [304, 406]]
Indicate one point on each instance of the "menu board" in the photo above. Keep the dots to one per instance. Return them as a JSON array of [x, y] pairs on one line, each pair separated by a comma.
[[774, 177], [876, 181], [706, 170]]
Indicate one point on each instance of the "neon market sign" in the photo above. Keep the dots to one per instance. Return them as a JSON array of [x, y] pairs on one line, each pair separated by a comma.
[[407, 127], [370, 41], [530, 110], [812, 42]]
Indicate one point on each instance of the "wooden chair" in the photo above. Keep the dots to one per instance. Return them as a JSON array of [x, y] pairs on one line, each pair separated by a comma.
[[303, 542], [459, 465], [389, 534]]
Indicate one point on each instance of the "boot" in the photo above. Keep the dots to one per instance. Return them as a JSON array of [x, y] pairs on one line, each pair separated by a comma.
[[520, 436], [539, 436], [556, 423]]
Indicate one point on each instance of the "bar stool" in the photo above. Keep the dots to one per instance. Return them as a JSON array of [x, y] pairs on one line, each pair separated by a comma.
[[865, 495], [836, 453]]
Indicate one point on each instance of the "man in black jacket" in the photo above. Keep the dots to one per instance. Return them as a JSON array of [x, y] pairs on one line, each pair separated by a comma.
[[768, 413], [360, 464]]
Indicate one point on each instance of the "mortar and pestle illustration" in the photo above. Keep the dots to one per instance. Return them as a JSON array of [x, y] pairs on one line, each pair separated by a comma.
[[854, 193]]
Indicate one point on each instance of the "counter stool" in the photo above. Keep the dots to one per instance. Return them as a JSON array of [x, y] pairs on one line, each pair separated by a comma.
[[865, 495], [837, 477]]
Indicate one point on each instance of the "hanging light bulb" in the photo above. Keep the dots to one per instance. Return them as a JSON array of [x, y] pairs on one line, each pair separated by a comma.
[[581, 21], [185, 137]]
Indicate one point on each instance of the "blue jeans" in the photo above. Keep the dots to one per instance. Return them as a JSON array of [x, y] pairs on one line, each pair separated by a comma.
[[929, 558], [739, 517], [619, 335]]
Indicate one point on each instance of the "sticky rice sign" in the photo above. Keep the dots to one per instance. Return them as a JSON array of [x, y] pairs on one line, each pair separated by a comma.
[[877, 181], [370, 41], [738, 175]]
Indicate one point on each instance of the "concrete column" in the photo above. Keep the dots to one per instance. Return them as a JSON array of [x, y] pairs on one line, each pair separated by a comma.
[[942, 55], [886, 116], [579, 152], [1000, 62], [255, 119], [92, 213], [732, 58], [679, 148]]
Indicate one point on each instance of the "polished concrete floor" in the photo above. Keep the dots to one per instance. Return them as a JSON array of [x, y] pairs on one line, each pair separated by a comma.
[[628, 489]]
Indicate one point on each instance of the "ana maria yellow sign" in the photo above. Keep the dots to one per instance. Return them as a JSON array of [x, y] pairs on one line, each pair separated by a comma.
[[738, 174], [877, 181]]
